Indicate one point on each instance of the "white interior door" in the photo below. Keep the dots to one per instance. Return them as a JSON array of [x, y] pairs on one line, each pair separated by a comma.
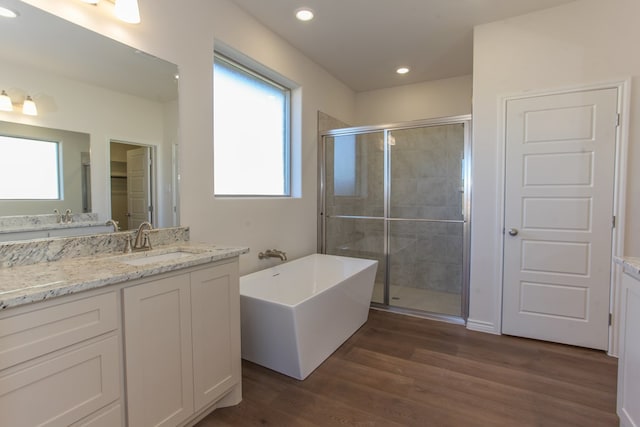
[[559, 184], [138, 187]]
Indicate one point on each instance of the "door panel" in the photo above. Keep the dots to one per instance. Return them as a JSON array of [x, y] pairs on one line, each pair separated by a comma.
[[354, 200], [554, 299], [426, 172], [355, 175], [569, 169], [554, 213], [138, 186], [560, 160], [359, 238]]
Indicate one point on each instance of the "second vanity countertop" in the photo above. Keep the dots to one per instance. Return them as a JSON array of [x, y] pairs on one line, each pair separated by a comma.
[[630, 265], [31, 283]]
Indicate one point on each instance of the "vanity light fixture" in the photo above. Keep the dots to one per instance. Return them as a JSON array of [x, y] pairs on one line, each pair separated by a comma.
[[29, 107], [128, 11], [304, 14], [5, 102], [7, 13], [125, 10], [402, 70]]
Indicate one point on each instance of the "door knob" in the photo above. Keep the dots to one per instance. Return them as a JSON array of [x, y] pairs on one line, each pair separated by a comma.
[[513, 232]]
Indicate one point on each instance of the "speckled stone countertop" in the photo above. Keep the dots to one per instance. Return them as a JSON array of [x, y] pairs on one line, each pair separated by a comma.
[[630, 265], [13, 224], [36, 282]]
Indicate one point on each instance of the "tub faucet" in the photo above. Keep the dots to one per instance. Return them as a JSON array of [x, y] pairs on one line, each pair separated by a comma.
[[273, 253], [142, 236]]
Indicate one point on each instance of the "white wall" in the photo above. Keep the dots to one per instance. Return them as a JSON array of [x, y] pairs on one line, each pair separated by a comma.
[[437, 98], [103, 114], [584, 42], [185, 36]]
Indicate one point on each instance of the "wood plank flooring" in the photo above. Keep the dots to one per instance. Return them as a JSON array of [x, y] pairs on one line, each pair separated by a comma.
[[405, 371]]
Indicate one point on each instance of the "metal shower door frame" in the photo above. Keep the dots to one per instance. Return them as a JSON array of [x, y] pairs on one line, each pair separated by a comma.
[[386, 130]]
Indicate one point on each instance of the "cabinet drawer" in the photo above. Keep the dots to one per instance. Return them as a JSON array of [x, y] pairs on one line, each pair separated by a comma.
[[108, 417], [25, 336], [61, 389]]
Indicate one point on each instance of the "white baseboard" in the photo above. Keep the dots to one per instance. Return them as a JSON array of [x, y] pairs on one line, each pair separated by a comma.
[[482, 326]]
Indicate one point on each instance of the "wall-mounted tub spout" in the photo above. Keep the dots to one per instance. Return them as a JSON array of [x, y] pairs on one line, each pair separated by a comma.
[[273, 253]]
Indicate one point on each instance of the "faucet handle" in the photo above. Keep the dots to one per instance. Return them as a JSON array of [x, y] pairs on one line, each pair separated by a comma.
[[127, 244], [146, 240]]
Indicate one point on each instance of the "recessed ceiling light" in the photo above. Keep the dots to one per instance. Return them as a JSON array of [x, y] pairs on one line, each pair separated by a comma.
[[7, 13], [304, 14], [402, 70]]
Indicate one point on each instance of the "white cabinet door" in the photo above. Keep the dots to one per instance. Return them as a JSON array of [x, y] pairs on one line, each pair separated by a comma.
[[629, 363], [158, 357], [560, 160], [215, 303], [59, 389]]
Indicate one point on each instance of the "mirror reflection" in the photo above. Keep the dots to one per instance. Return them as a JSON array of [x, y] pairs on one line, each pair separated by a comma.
[[85, 84], [42, 169]]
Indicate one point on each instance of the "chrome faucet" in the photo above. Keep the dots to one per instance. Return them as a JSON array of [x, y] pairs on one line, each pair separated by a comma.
[[273, 253], [142, 236], [114, 224], [58, 216], [66, 218]]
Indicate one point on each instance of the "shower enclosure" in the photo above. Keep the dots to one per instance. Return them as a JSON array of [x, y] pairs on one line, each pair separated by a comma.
[[400, 194]]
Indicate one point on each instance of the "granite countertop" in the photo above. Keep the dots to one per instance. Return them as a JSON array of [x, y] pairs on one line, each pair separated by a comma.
[[21, 223], [56, 226], [25, 284], [630, 265]]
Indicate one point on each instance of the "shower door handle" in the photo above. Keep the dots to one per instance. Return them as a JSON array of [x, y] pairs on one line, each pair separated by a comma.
[[513, 232]]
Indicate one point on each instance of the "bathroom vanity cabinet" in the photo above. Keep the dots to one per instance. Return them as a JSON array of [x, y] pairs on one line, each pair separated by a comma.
[[179, 346], [629, 362], [166, 347], [60, 363]]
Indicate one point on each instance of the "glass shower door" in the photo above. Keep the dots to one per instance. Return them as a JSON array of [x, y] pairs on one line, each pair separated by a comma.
[[354, 200], [426, 218]]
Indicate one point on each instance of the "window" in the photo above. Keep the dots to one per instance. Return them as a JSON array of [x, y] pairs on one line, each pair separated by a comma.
[[251, 132], [29, 169], [344, 166]]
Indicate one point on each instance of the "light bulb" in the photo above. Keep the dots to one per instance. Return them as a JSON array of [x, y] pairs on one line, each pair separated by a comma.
[[5, 102], [7, 13], [402, 70], [29, 107], [304, 14], [127, 11]]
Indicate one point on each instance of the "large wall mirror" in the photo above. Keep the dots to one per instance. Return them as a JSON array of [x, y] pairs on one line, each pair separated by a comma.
[[87, 86]]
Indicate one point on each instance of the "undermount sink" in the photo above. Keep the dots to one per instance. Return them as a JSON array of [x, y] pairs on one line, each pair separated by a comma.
[[136, 259]]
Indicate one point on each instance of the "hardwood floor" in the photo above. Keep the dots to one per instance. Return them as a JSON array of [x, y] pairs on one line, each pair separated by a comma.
[[405, 371]]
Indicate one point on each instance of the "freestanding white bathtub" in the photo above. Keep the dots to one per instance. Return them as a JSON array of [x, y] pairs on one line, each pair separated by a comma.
[[294, 315]]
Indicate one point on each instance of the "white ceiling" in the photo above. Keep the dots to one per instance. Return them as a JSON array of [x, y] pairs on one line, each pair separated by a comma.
[[362, 42]]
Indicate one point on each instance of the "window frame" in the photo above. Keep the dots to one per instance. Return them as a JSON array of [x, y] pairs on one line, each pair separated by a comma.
[[276, 82]]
